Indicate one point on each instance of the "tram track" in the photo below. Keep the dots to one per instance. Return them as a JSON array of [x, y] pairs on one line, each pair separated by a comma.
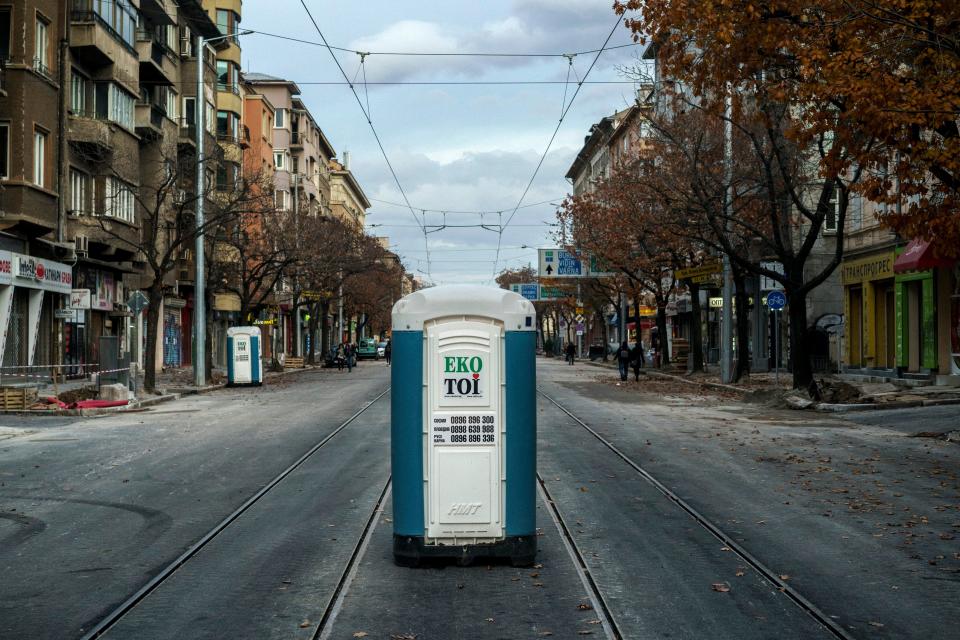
[[766, 572], [729, 541], [114, 616]]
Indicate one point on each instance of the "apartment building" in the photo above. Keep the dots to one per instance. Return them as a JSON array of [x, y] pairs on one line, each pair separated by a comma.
[[348, 202], [35, 275]]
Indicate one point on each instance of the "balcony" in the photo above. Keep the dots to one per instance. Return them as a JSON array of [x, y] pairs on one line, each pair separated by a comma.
[[188, 134], [150, 120], [91, 132], [296, 140], [43, 69], [157, 60], [95, 42]]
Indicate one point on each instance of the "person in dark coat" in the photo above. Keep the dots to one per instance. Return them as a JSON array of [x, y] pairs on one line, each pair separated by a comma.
[[637, 360], [623, 360], [388, 351], [571, 352]]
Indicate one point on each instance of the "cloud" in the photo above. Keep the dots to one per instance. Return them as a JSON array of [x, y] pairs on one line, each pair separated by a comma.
[[531, 26]]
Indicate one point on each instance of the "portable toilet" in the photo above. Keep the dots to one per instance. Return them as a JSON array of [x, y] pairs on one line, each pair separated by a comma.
[[243, 356], [464, 425]]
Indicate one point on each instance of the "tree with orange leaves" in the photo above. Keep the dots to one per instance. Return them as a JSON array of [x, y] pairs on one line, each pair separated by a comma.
[[881, 78]]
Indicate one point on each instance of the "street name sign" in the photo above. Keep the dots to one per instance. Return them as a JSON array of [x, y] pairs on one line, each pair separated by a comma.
[[559, 263], [705, 269]]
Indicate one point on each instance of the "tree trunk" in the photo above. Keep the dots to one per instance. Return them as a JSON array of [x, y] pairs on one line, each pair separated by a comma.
[[155, 298], [662, 334], [799, 353], [696, 328], [314, 321], [208, 343], [325, 327], [742, 326]]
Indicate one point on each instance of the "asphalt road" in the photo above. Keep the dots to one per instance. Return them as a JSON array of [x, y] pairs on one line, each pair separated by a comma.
[[861, 518], [93, 508], [851, 512]]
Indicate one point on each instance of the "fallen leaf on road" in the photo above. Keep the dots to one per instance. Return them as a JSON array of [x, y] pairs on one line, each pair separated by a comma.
[[947, 536], [304, 624], [584, 633], [489, 619], [584, 489], [878, 625], [544, 634], [722, 587], [360, 634], [784, 577], [583, 606], [740, 572]]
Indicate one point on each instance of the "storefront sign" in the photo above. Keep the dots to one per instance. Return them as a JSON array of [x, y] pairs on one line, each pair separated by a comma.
[[80, 299], [874, 267], [35, 273]]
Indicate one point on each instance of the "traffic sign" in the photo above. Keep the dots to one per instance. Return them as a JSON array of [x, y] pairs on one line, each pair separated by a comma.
[[776, 300], [579, 318], [137, 302], [581, 328], [579, 310], [558, 263], [529, 290]]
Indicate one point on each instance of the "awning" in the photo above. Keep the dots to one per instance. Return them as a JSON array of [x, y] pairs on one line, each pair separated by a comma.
[[918, 256]]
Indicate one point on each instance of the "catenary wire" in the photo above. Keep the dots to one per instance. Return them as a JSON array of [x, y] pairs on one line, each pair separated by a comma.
[[554, 136], [373, 129]]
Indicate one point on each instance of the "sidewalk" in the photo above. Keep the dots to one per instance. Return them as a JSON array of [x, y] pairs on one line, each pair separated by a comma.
[[838, 396], [172, 384]]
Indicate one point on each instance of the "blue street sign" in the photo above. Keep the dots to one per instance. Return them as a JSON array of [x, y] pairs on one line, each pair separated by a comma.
[[776, 300]]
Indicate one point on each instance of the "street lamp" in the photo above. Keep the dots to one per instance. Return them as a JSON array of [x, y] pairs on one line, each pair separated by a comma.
[[199, 294]]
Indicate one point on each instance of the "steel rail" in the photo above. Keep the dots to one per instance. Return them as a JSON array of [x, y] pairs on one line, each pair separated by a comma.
[[811, 609], [330, 612], [583, 569], [108, 621]]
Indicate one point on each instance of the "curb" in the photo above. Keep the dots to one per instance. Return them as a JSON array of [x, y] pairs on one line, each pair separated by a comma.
[[668, 376]]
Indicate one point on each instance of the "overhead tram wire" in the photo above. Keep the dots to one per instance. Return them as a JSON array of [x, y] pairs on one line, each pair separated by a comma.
[[554, 136], [366, 114], [451, 54]]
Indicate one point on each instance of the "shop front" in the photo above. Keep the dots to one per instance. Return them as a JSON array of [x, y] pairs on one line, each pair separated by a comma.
[[926, 320], [870, 308], [31, 289]]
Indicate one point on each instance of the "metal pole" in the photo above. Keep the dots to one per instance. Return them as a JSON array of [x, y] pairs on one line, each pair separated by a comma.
[[579, 335], [340, 315], [776, 346], [199, 289], [297, 329], [623, 317], [726, 313]]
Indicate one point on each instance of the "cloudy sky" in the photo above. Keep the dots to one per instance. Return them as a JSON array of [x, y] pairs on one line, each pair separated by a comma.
[[455, 147]]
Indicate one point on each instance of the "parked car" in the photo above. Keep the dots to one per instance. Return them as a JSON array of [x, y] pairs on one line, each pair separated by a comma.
[[367, 349], [382, 350]]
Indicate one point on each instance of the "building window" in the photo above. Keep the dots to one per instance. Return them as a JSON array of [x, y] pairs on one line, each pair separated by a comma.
[[78, 93], [296, 165], [279, 118], [833, 213], [171, 104], [223, 21], [4, 150], [39, 157], [278, 160], [41, 46], [190, 111], [120, 16], [223, 74], [118, 200], [4, 33], [79, 192], [113, 103]]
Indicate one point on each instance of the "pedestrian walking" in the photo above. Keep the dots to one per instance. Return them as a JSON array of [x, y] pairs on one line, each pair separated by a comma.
[[637, 359], [348, 356], [623, 360], [339, 357], [571, 352], [387, 351]]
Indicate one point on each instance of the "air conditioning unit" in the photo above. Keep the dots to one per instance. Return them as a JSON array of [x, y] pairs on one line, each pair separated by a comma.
[[82, 245], [185, 47]]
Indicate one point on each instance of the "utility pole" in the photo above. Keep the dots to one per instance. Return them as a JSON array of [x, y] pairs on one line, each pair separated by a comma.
[[199, 289], [726, 314], [340, 313]]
